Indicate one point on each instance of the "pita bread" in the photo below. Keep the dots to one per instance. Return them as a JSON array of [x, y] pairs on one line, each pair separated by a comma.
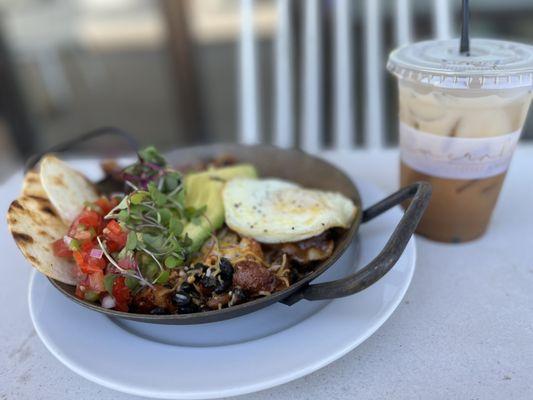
[[35, 225], [66, 188]]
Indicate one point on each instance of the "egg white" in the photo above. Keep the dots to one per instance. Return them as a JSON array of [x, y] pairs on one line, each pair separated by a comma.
[[277, 211]]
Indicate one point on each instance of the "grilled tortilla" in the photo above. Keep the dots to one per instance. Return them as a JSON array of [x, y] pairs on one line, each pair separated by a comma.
[[66, 188], [31, 186], [36, 222]]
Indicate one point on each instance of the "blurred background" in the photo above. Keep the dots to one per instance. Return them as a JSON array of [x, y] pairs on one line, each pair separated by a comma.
[[167, 70]]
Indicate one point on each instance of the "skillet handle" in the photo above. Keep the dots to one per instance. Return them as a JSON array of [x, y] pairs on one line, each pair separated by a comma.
[[385, 260], [70, 143]]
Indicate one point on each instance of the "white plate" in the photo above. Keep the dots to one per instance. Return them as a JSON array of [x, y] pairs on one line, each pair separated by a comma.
[[243, 355]]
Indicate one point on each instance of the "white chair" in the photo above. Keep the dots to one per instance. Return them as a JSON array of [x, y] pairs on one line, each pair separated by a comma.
[[343, 65]]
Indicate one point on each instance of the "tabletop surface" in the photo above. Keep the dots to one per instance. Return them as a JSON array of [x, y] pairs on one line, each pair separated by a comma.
[[464, 329]]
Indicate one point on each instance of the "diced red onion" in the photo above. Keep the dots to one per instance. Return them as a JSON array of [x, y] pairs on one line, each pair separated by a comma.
[[67, 240], [96, 253], [129, 177], [108, 302], [144, 183]]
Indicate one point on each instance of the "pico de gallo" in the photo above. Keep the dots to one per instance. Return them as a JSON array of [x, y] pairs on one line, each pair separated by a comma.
[[124, 243], [82, 244]]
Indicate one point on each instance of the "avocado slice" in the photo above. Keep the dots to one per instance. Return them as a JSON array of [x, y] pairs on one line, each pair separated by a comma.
[[205, 189]]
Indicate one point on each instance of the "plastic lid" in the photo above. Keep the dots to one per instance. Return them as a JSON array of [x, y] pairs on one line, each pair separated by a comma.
[[492, 64]]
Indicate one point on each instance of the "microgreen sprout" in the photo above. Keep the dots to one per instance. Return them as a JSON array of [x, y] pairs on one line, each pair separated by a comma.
[[154, 214], [123, 271]]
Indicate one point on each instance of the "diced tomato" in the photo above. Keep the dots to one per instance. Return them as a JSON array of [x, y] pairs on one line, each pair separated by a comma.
[[61, 249], [120, 239], [113, 247], [82, 286], [90, 270], [78, 257], [96, 281], [99, 263], [87, 247], [114, 233], [121, 293], [88, 264], [88, 224], [114, 227], [90, 218], [114, 201], [106, 204]]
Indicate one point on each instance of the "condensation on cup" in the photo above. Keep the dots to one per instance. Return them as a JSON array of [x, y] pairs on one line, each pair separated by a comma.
[[460, 121]]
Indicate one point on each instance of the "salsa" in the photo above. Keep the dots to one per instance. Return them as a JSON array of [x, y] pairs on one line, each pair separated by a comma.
[[83, 243]]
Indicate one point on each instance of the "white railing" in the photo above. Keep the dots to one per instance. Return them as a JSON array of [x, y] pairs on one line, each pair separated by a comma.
[[311, 117], [344, 113], [249, 93], [311, 87], [284, 88]]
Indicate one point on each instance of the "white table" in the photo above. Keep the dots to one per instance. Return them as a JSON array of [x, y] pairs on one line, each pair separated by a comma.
[[464, 329]]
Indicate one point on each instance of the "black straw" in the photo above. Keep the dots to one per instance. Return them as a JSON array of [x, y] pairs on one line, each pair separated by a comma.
[[465, 38]]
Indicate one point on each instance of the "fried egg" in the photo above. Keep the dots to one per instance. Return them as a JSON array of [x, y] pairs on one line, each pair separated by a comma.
[[278, 211]]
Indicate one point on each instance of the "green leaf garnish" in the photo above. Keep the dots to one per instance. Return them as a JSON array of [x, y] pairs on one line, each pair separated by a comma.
[[137, 198], [154, 242], [108, 282], [154, 215], [150, 154], [172, 262], [172, 180], [131, 282], [91, 295], [165, 216], [187, 241], [150, 271], [175, 226], [74, 245], [131, 243], [123, 215], [163, 277], [159, 198]]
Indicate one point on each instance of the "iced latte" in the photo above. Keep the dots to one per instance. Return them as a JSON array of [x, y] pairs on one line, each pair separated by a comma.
[[460, 120]]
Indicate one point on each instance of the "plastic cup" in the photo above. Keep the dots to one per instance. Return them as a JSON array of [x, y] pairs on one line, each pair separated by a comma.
[[460, 120]]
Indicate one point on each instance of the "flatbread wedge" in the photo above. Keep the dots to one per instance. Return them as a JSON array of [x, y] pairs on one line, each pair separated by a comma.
[[43, 213], [31, 186], [35, 225], [66, 188]]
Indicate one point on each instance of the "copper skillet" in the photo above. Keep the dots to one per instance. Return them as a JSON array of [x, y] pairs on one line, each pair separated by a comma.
[[309, 171]]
